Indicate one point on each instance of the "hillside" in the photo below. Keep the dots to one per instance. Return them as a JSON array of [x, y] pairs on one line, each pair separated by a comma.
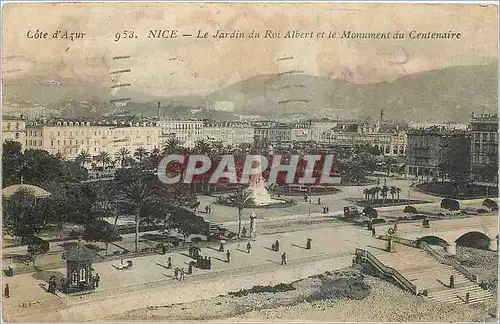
[[449, 94]]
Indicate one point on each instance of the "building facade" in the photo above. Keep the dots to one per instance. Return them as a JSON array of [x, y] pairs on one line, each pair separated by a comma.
[[438, 152], [69, 138], [390, 141], [484, 148], [187, 132], [229, 133], [13, 129]]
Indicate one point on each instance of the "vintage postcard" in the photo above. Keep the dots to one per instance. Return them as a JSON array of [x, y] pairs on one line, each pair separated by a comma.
[[325, 162]]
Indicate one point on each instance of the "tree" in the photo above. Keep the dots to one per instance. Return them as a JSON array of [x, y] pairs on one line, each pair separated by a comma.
[[384, 192], [240, 199], [376, 191], [490, 204], [140, 193], [450, 204], [104, 158], [172, 146], [83, 157], [36, 246], [202, 147], [410, 210], [123, 156], [366, 192], [20, 215], [101, 231], [398, 191], [140, 153], [390, 162], [187, 222], [370, 212], [12, 162], [393, 191]]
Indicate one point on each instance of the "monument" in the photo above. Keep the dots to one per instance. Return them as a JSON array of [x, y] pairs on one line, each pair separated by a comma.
[[259, 193]]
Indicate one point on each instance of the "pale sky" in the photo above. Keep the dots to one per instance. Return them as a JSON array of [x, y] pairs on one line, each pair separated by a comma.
[[204, 65]]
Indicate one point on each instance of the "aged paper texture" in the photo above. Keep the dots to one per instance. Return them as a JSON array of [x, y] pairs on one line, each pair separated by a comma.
[[329, 162]]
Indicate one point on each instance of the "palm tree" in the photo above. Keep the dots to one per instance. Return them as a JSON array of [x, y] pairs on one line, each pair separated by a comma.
[[172, 146], [384, 192], [398, 191], [376, 190], [104, 158], [135, 193], [83, 157], [202, 147], [393, 191], [140, 153], [366, 192], [240, 199], [123, 155]]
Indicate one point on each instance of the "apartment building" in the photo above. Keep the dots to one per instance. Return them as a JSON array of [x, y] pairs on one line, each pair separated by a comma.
[[187, 132], [484, 148], [390, 140], [432, 149], [69, 138], [229, 133], [13, 129]]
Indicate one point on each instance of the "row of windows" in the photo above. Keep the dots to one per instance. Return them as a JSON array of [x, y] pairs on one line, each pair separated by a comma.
[[9, 126], [485, 137], [183, 126], [89, 133]]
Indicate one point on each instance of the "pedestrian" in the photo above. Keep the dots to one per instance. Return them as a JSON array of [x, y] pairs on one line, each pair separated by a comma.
[[373, 231], [97, 279], [327, 209], [308, 244], [452, 281], [221, 247], [176, 273], [244, 231], [467, 297], [205, 262], [209, 209], [209, 263], [283, 259], [395, 227], [190, 267], [277, 246], [324, 210], [182, 274], [319, 201], [249, 247], [228, 256], [7, 291], [206, 209], [169, 263]]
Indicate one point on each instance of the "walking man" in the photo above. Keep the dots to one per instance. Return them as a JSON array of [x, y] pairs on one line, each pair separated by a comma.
[[277, 245], [7, 291], [452, 281], [169, 263], [319, 201], [467, 296], [373, 231], [182, 274], [228, 256], [308, 244], [249, 247], [97, 279], [283, 259], [176, 273]]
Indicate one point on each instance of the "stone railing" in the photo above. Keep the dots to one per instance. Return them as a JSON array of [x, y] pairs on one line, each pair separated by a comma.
[[388, 271]]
